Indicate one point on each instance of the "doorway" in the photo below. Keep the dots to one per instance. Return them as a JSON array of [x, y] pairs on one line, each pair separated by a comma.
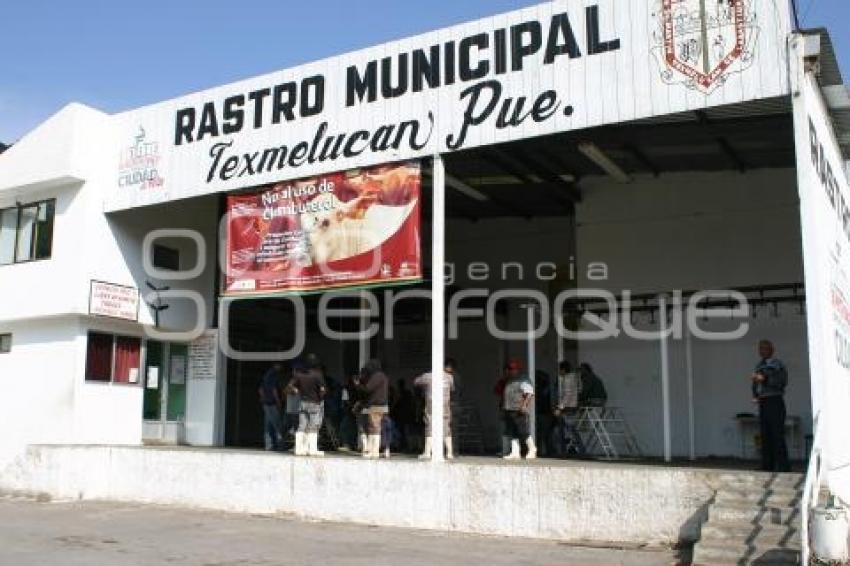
[[164, 403]]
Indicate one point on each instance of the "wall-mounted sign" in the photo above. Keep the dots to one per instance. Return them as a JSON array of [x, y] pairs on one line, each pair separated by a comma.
[[203, 352], [114, 301], [555, 67], [355, 228]]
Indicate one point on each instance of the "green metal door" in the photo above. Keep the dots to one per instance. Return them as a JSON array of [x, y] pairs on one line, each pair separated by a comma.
[[153, 381]]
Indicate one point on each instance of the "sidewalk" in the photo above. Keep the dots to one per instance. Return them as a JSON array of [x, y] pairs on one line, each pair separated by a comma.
[[93, 534]]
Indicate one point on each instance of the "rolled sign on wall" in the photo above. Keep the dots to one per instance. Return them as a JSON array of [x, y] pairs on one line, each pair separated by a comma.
[[360, 227]]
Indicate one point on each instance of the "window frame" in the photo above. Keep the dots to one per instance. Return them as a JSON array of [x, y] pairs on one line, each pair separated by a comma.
[[170, 253], [18, 208], [113, 362], [11, 342]]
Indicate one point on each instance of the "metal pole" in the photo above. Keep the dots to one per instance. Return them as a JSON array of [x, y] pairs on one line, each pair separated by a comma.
[[689, 369], [665, 376], [438, 300], [559, 343], [532, 370], [363, 352]]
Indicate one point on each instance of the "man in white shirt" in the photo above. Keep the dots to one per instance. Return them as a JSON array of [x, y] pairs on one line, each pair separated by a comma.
[[566, 408], [519, 394], [423, 382]]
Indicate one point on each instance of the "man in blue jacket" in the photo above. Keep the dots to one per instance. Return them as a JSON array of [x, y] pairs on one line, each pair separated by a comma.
[[769, 381]]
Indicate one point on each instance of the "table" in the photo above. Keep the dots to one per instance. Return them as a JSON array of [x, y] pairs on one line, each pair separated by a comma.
[[749, 430]]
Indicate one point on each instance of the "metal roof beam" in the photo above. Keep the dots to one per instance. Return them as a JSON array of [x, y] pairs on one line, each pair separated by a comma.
[[644, 160], [515, 169], [574, 195]]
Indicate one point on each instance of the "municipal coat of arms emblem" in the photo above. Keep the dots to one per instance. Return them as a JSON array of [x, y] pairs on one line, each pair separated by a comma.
[[700, 43]]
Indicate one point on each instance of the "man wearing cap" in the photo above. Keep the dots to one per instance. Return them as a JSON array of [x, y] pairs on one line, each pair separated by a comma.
[[519, 394], [769, 381], [423, 382], [308, 382]]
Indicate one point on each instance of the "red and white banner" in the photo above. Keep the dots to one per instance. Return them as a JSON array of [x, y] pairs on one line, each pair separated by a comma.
[[359, 227]]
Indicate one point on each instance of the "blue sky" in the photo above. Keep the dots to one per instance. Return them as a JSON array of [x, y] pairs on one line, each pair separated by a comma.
[[115, 55]]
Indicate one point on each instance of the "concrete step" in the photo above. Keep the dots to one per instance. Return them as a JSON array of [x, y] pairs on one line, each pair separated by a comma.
[[717, 554], [762, 497], [746, 534], [747, 512], [761, 479]]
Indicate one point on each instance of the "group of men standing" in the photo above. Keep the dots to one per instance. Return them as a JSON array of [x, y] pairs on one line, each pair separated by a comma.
[[555, 420], [368, 398], [309, 387]]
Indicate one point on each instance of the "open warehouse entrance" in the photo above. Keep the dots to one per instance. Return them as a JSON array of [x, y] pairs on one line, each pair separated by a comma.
[[692, 202]]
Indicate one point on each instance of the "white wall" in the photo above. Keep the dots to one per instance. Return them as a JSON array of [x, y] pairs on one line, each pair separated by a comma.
[[590, 502], [696, 231], [44, 397], [37, 389]]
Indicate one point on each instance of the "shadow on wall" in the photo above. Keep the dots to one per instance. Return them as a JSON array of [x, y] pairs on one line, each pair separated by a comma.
[[129, 229]]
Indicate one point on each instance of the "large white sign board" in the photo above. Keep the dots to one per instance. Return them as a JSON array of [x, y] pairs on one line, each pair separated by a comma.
[[559, 66], [825, 221]]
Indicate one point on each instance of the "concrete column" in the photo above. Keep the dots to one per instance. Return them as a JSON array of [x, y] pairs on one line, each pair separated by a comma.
[[532, 368], [438, 300], [665, 376], [689, 369]]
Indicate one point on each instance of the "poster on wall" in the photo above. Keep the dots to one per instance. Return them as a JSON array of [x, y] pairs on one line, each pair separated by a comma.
[[825, 221], [113, 301], [203, 353], [359, 227]]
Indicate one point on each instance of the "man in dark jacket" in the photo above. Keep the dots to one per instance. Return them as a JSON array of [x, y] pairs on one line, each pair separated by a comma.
[[269, 392], [374, 384], [592, 392], [769, 381]]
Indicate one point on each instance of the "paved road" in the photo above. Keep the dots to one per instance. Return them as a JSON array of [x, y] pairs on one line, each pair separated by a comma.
[[93, 534]]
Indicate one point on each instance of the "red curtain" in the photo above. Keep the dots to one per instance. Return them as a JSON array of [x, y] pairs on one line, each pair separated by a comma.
[[99, 357], [127, 359]]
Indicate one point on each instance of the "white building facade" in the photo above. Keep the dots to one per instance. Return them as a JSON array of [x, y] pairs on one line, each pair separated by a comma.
[[84, 361]]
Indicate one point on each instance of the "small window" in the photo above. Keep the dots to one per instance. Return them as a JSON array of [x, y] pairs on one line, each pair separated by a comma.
[[26, 232], [128, 355], [8, 229], [166, 258], [5, 343], [99, 357], [113, 358]]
